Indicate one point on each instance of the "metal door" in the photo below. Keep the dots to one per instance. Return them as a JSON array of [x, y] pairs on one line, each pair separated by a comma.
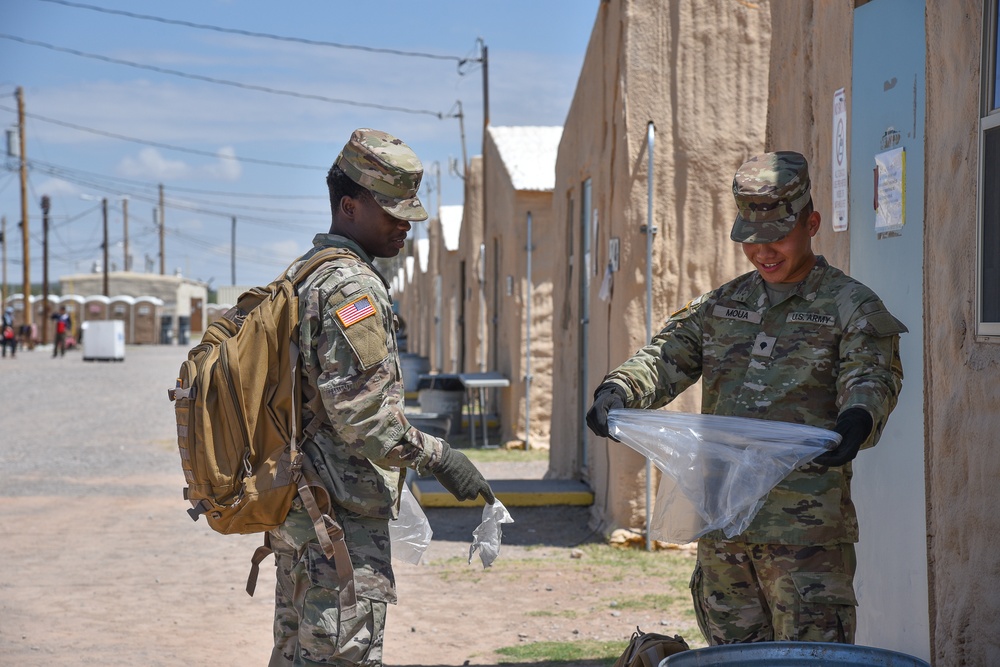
[[887, 112]]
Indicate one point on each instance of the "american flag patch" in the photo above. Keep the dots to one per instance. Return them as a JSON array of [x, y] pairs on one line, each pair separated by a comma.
[[355, 311]]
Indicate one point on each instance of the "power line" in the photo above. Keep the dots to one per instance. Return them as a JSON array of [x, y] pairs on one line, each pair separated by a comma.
[[66, 172], [156, 144], [250, 33], [151, 198], [223, 82]]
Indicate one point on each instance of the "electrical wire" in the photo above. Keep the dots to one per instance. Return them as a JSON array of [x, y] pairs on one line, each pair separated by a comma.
[[223, 82], [93, 181], [249, 33], [156, 144]]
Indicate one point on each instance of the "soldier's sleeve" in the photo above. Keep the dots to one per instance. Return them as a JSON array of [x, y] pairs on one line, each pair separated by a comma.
[[358, 380], [668, 364], [871, 373]]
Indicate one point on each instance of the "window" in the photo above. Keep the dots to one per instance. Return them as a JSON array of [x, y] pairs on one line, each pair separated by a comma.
[[988, 245]]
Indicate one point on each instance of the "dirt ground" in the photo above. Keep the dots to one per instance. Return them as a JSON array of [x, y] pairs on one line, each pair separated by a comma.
[[102, 566]]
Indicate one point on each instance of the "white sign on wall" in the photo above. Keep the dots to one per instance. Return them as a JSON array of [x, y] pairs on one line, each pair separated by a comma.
[[839, 162], [890, 190]]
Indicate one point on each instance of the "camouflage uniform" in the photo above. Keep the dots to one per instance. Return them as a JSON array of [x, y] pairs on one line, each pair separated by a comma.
[[351, 372], [826, 346]]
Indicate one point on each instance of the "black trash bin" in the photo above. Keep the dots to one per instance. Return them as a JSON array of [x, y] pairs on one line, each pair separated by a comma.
[[166, 330], [183, 329], [442, 394]]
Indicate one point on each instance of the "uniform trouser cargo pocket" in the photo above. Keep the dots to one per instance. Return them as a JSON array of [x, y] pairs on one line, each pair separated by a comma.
[[747, 592], [307, 626], [826, 607]]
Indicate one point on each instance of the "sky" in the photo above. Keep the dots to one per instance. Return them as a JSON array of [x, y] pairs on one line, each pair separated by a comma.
[[121, 97]]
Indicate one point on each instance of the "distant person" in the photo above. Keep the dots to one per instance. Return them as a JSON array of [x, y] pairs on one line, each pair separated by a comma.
[[8, 337], [798, 341], [63, 325], [357, 437]]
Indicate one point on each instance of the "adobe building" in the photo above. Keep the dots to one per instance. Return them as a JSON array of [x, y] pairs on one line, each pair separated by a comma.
[[918, 80], [449, 296], [671, 99], [522, 247]]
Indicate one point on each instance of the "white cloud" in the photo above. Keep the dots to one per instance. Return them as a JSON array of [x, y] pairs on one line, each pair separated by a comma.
[[150, 164], [226, 169], [55, 187], [289, 249]]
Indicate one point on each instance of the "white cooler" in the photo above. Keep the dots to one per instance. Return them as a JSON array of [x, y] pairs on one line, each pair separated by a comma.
[[104, 340]]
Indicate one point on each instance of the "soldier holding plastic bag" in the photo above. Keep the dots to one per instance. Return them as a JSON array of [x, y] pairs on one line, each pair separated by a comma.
[[796, 340]]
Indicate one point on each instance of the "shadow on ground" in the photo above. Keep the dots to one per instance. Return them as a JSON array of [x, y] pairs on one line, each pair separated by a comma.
[[557, 663], [554, 526]]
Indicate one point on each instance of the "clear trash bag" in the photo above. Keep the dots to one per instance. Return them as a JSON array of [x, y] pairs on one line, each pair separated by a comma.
[[410, 532], [717, 470], [487, 535]]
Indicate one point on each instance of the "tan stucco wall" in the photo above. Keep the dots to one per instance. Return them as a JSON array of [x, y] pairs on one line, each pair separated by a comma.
[[475, 328], [809, 63], [961, 401], [694, 69], [963, 376], [450, 268], [506, 231]]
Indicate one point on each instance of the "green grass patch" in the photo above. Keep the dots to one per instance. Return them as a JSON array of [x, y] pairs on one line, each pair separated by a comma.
[[566, 613], [651, 601], [586, 652]]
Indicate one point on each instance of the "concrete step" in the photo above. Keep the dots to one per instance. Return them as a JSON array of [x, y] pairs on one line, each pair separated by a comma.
[[511, 492]]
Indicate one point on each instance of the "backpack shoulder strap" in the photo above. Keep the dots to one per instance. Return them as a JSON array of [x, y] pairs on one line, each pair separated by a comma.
[[322, 257]]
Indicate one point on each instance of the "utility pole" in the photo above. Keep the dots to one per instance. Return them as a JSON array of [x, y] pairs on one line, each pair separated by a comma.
[[26, 246], [45, 269], [3, 246], [437, 169], [486, 87], [233, 253], [104, 212], [163, 257], [125, 225]]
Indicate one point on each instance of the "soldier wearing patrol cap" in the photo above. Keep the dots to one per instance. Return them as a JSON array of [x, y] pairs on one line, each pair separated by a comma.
[[358, 438], [796, 340]]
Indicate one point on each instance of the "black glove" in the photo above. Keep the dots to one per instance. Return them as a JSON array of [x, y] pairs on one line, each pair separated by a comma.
[[854, 426], [607, 397], [462, 479]]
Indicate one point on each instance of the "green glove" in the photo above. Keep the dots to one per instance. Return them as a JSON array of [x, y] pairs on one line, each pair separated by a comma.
[[462, 479]]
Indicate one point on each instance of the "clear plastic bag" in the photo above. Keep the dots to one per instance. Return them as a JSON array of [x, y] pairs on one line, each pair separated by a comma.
[[410, 532], [486, 537], [717, 470]]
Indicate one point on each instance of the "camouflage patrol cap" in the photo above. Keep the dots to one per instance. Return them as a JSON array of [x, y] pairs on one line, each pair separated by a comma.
[[770, 190], [387, 168]]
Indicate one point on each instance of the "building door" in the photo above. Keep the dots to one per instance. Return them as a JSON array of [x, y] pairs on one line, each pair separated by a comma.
[[197, 315], [887, 114]]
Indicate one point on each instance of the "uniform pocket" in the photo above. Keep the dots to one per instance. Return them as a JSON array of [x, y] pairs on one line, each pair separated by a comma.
[[826, 610], [698, 598], [825, 588], [323, 635]]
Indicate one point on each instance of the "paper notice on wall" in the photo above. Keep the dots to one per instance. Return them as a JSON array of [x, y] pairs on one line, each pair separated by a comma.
[[607, 284], [890, 190], [839, 162]]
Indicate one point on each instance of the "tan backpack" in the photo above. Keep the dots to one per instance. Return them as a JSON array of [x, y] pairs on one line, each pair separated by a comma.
[[237, 403], [648, 649]]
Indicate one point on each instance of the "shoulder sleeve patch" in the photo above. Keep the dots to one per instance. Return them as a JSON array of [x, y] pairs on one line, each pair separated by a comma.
[[688, 308], [361, 324], [882, 324], [355, 311]]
